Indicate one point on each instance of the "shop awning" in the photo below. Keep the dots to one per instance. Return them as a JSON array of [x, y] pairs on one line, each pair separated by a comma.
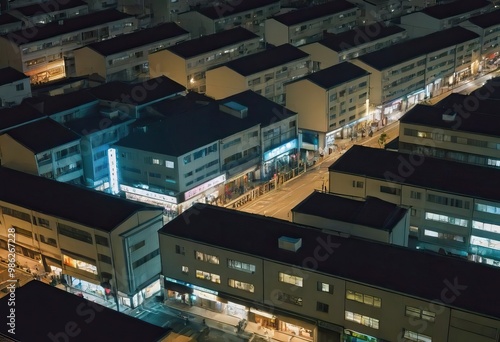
[[177, 287]]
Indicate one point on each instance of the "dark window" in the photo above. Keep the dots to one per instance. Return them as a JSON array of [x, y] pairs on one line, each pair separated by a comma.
[[20, 86], [104, 258], [321, 307], [179, 250], [17, 214], [74, 233], [23, 232], [48, 241], [146, 258], [101, 240], [138, 245]]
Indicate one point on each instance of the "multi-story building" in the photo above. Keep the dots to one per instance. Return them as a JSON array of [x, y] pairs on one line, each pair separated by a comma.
[[166, 11], [187, 62], [307, 25], [406, 73], [45, 53], [372, 11], [487, 26], [9, 23], [16, 116], [371, 218], [133, 99], [454, 208], [65, 107], [337, 48], [265, 73], [45, 148], [222, 16], [231, 142], [442, 132], [65, 308], [332, 103], [125, 58], [101, 244], [14, 87], [299, 283], [443, 16], [48, 11]]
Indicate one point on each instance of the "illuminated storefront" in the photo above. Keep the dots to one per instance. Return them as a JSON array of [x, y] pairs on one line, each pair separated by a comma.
[[353, 336], [279, 159]]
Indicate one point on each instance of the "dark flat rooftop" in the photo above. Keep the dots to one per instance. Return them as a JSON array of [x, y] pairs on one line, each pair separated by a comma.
[[91, 208], [455, 8], [432, 116], [267, 59], [384, 266], [89, 125], [50, 6], [211, 42], [437, 174], [359, 36], [9, 75], [373, 212], [314, 12], [138, 38], [206, 124], [487, 19], [46, 311], [222, 10], [53, 29], [138, 93], [6, 18], [42, 135], [18, 115], [417, 47], [50, 105], [336, 75]]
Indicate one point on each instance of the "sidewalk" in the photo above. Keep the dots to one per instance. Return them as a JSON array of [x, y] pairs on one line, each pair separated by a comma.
[[230, 324]]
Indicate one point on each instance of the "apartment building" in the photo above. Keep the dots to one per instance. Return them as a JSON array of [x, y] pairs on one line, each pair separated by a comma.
[[307, 25], [442, 132], [371, 218], [487, 26], [49, 11], [372, 11], [46, 53], [99, 243], [166, 11], [222, 16], [67, 107], [406, 73], [265, 72], [133, 99], [332, 103], [299, 283], [443, 16], [14, 87], [187, 62], [9, 23], [454, 209], [45, 148], [341, 47], [16, 116], [161, 163], [230, 143], [125, 58], [66, 307]]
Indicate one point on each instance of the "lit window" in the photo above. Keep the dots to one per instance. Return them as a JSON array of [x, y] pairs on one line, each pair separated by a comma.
[[290, 279]]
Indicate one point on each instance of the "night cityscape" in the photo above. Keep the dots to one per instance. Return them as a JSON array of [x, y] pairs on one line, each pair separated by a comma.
[[250, 170]]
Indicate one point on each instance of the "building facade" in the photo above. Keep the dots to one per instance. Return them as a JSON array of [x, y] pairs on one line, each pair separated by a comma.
[[14, 87], [307, 25], [453, 210], [109, 248], [265, 73], [284, 278], [187, 62], [332, 103], [125, 58], [45, 53]]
